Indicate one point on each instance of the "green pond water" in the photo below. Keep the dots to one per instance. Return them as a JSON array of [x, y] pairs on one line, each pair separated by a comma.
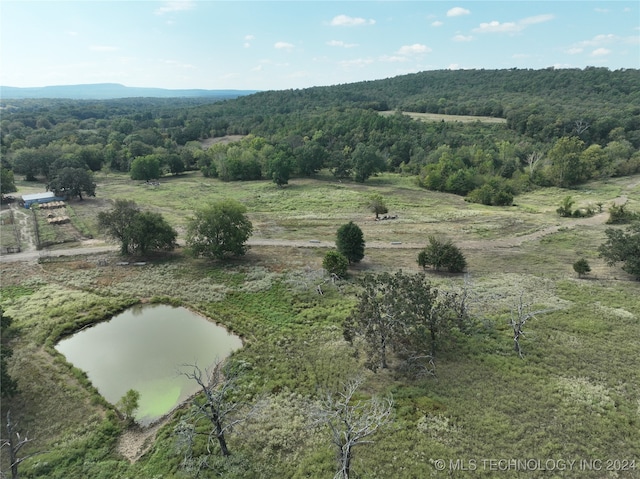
[[146, 348]]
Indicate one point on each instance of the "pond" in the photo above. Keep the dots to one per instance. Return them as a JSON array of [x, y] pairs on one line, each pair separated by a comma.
[[146, 348]]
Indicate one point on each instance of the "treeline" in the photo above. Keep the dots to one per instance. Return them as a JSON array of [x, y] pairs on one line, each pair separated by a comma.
[[563, 127]]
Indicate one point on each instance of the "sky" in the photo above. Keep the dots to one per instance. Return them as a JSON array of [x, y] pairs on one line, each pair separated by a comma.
[[279, 45]]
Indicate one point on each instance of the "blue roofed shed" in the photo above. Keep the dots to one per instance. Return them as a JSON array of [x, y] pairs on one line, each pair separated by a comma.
[[40, 198]]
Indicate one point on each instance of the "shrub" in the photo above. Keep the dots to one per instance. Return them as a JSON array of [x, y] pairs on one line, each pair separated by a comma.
[[442, 254], [335, 263], [565, 208], [619, 215], [581, 267]]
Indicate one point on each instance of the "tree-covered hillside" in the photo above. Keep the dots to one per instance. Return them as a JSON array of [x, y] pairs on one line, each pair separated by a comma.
[[563, 127]]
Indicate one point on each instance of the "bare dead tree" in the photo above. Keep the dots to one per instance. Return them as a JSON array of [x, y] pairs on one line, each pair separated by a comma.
[[14, 442], [533, 159], [217, 386], [519, 317], [581, 126], [351, 421]]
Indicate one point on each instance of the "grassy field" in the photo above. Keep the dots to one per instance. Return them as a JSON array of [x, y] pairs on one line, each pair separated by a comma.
[[574, 397], [449, 118]]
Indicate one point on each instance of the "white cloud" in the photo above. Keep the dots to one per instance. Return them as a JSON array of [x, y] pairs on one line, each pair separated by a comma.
[[175, 6], [283, 46], [536, 19], [453, 66], [414, 49], [437, 23], [601, 10], [102, 48], [512, 27], [496, 27], [462, 38], [347, 21], [598, 40], [247, 41], [599, 52], [457, 11], [340, 43], [574, 50]]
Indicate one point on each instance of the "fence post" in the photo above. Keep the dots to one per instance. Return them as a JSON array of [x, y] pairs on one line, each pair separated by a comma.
[[35, 221]]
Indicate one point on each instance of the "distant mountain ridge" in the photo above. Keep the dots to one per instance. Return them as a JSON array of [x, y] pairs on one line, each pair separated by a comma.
[[105, 91]]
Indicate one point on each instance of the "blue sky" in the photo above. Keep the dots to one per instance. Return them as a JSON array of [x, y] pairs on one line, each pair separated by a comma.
[[276, 45]]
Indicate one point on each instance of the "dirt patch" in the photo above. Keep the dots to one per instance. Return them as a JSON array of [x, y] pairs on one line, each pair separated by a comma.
[[206, 143], [135, 442]]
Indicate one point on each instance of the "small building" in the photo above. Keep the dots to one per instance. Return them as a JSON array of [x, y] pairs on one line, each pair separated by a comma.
[[40, 198]]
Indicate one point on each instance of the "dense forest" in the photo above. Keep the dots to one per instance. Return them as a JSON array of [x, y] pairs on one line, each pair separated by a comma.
[[563, 127]]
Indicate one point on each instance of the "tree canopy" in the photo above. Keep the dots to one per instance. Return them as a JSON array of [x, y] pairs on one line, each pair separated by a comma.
[[350, 242], [72, 182], [138, 232], [219, 229], [623, 247]]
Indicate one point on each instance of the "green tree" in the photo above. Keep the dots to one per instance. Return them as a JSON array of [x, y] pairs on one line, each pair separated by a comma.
[[138, 232], [219, 229], [366, 161], [377, 205], [149, 231], [117, 222], [350, 242], [72, 182], [175, 163], [145, 168], [7, 183], [29, 162], [581, 267], [279, 168], [335, 263], [311, 158], [128, 405], [623, 246], [567, 168], [9, 385], [442, 254], [404, 314]]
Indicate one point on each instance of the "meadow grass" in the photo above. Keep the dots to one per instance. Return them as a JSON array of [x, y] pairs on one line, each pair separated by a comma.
[[573, 396]]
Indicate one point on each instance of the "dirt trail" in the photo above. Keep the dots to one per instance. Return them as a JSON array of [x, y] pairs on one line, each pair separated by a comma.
[[89, 248]]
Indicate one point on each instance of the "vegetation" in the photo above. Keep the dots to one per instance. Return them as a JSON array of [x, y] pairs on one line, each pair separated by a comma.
[[72, 182], [581, 267], [619, 214], [219, 229], [520, 298], [442, 254], [624, 247], [350, 242], [128, 405], [377, 205], [335, 263], [9, 385], [7, 183], [139, 232]]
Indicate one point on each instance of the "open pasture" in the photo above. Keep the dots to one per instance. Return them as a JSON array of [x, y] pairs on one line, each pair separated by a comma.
[[574, 396]]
